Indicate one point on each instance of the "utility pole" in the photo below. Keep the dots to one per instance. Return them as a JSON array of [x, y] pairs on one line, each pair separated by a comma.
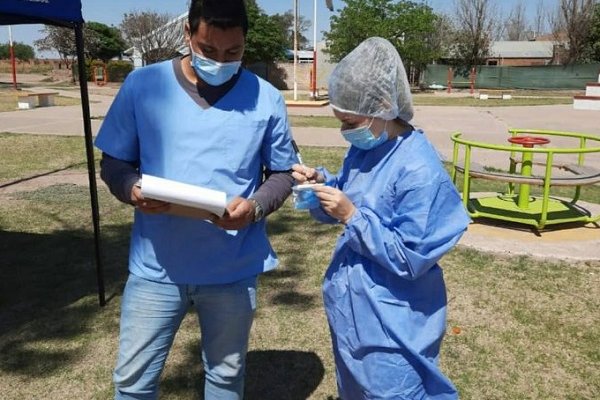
[[295, 48], [12, 58]]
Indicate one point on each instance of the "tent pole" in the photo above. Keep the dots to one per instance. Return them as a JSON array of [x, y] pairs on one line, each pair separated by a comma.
[[87, 127]]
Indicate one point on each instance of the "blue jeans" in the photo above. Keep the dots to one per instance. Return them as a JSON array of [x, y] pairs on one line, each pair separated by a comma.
[[151, 313]]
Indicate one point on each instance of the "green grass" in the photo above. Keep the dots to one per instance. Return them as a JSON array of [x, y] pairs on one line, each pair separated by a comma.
[[529, 329], [569, 93], [442, 100], [27, 155], [314, 121], [300, 96], [428, 100]]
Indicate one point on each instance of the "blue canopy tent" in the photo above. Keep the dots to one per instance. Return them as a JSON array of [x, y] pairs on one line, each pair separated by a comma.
[[66, 13]]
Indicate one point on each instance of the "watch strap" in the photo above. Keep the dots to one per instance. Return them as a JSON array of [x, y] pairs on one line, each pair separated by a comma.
[[258, 210]]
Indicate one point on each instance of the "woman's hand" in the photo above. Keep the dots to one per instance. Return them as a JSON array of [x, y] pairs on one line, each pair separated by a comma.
[[303, 174], [335, 203], [239, 213], [148, 206]]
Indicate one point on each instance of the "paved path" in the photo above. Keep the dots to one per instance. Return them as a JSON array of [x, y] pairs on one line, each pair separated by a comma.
[[59, 120], [478, 123], [489, 124]]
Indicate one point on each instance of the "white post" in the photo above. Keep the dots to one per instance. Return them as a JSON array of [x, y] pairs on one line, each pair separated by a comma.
[[314, 69], [295, 48]]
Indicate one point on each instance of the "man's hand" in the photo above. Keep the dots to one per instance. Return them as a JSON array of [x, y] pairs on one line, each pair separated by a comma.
[[240, 213], [149, 206], [335, 203]]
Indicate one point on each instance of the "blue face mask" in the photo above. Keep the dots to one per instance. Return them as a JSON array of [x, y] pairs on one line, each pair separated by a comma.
[[363, 138], [213, 72]]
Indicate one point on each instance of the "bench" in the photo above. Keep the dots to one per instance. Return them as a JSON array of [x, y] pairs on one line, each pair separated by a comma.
[[579, 175], [504, 94], [27, 101]]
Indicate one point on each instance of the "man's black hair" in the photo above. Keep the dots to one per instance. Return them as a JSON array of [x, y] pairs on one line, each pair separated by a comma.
[[223, 14]]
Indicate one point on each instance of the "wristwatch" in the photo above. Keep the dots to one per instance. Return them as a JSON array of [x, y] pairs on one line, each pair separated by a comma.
[[258, 210]]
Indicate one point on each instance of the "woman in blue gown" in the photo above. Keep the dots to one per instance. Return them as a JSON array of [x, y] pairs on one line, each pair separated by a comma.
[[384, 291]]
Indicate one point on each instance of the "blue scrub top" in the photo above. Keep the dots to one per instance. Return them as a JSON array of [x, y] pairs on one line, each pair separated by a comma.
[[223, 147], [384, 291]]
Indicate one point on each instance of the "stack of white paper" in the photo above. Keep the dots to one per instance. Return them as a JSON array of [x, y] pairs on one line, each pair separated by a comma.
[[186, 195]]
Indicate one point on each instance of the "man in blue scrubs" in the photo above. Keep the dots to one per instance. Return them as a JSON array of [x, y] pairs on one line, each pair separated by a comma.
[[204, 120], [384, 290]]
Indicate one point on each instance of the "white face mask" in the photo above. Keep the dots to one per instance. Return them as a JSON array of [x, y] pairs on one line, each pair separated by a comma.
[[213, 72]]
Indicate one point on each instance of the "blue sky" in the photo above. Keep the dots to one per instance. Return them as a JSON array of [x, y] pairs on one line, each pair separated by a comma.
[[110, 12]]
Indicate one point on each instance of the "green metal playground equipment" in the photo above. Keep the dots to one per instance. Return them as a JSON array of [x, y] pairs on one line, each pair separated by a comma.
[[516, 204]]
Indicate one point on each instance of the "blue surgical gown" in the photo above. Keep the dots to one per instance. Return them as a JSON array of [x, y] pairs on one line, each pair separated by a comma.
[[384, 292]]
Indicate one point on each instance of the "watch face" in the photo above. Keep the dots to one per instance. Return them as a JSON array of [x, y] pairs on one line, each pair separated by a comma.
[[258, 211]]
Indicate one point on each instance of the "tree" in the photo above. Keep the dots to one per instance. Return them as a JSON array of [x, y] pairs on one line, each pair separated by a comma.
[[515, 25], [540, 19], [100, 41], [286, 24], [156, 36], [417, 33], [475, 30], [592, 48], [573, 19], [103, 42], [355, 23], [444, 34], [410, 26], [265, 40], [59, 39], [22, 51]]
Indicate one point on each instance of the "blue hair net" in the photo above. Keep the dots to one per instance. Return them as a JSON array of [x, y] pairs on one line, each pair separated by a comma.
[[371, 81]]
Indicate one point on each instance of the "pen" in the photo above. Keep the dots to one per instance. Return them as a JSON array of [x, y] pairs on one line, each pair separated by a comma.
[[295, 146]]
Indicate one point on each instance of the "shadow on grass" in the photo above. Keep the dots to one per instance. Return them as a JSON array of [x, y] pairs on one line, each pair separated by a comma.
[[295, 300], [270, 374], [295, 235], [49, 312], [48, 296], [39, 175], [48, 341]]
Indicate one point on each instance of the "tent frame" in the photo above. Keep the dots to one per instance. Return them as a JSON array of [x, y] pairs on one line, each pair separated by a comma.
[[89, 150], [87, 127]]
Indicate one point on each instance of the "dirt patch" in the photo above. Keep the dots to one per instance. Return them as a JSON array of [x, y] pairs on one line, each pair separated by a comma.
[[42, 181]]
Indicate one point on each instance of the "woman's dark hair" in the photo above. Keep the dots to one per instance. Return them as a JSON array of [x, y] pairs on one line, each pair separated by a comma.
[[223, 14]]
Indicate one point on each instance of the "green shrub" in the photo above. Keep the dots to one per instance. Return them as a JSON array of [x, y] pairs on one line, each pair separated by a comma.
[[118, 70]]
